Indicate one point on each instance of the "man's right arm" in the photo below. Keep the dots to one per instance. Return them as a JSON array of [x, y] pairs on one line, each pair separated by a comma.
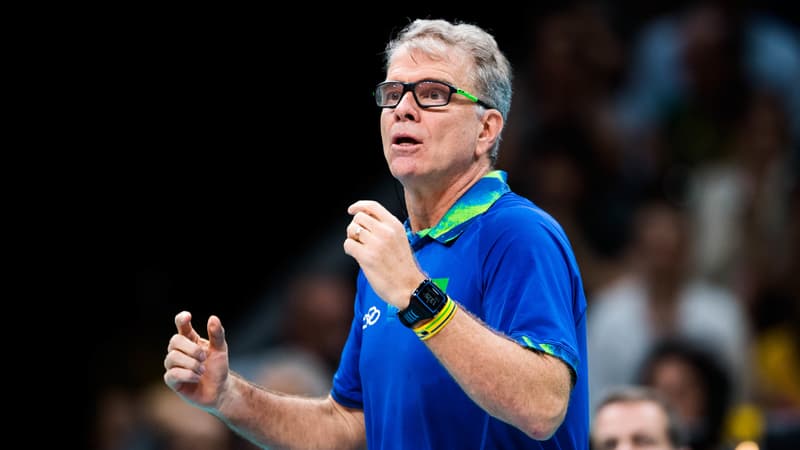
[[289, 421], [197, 369]]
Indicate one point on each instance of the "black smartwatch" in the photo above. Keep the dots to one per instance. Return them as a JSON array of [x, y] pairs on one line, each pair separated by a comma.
[[426, 301]]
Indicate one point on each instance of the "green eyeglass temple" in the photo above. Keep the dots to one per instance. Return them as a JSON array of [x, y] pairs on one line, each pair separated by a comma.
[[470, 96], [410, 87]]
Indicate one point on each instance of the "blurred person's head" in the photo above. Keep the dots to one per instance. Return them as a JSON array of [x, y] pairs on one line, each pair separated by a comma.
[[763, 131], [319, 310], [116, 418], [712, 48], [293, 371], [555, 168], [661, 241], [575, 57], [693, 380], [635, 417], [176, 425]]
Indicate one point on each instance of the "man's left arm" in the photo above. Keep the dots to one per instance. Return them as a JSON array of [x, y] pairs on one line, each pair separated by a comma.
[[520, 386]]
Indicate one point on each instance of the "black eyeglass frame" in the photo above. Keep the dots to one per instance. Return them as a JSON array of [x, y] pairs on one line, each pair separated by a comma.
[[410, 87]]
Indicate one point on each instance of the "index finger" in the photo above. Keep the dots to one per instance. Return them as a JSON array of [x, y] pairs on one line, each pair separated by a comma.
[[370, 207], [183, 321]]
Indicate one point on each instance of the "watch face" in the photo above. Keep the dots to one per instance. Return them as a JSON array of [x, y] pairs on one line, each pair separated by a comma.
[[431, 296]]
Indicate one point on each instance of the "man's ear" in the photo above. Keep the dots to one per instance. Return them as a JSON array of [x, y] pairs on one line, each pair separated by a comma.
[[490, 126]]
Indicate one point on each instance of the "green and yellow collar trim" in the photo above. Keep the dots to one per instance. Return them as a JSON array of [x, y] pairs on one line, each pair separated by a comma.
[[474, 202]]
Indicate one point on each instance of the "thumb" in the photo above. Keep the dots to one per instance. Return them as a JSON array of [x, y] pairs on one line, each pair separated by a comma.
[[216, 334]]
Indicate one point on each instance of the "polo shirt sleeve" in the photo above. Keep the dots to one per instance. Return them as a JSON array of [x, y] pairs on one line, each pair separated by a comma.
[[532, 287]]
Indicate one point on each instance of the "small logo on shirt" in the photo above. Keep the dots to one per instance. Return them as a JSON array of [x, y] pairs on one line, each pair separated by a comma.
[[372, 316]]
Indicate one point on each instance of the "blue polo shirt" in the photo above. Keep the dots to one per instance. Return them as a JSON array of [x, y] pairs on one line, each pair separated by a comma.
[[510, 264]]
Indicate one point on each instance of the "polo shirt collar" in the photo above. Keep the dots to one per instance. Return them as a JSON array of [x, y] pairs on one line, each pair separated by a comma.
[[479, 198]]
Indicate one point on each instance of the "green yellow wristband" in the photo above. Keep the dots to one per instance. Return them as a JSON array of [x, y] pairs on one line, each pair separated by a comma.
[[435, 325]]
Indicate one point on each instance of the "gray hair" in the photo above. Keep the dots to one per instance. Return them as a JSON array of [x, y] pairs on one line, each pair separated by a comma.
[[492, 75]]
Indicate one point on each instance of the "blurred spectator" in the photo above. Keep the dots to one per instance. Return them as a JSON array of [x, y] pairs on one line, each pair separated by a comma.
[[169, 423], [741, 205], [291, 370], [572, 62], [575, 61], [694, 381], [562, 144], [691, 69], [634, 417], [158, 419], [562, 173], [658, 298], [745, 212], [776, 314], [316, 317], [115, 425], [778, 364], [301, 360], [318, 311]]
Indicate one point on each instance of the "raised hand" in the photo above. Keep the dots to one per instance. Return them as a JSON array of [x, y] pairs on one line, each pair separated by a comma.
[[377, 240], [197, 368]]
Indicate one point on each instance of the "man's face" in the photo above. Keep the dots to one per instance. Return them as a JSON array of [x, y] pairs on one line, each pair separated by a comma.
[[631, 425], [430, 143]]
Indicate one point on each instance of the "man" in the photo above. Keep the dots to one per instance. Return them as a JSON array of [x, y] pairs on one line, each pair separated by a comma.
[[632, 417], [469, 327]]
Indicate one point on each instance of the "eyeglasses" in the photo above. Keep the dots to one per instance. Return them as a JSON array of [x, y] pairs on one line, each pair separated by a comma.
[[427, 93]]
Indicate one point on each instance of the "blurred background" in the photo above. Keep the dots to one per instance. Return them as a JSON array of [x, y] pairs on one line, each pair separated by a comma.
[[664, 137]]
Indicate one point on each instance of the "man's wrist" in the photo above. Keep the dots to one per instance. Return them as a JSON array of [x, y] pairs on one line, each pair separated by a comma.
[[429, 328], [406, 294], [230, 388], [425, 303]]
